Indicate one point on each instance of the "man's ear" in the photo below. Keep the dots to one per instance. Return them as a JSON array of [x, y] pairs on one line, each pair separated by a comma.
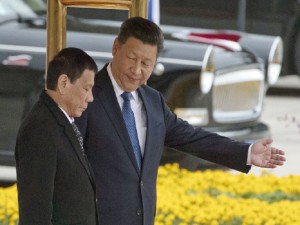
[[62, 83], [115, 46]]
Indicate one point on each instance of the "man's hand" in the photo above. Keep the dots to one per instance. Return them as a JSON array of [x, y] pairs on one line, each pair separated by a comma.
[[265, 156]]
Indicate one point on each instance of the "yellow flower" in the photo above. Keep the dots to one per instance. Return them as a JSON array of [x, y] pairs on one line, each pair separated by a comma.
[[219, 197], [208, 198]]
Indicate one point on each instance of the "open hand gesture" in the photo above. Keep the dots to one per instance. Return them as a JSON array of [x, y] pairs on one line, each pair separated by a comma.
[[265, 156]]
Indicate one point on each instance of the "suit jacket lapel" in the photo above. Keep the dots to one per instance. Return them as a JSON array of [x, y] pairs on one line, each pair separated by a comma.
[[107, 97], [63, 121], [73, 139], [150, 138]]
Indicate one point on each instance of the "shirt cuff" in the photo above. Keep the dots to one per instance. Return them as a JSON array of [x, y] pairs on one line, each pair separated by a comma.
[[249, 155]]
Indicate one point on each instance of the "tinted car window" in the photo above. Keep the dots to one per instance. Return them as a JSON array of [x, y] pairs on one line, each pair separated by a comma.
[[18, 7], [10, 118], [173, 12], [219, 14]]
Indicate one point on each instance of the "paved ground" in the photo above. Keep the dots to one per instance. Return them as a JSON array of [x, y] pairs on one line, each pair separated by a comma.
[[282, 113]]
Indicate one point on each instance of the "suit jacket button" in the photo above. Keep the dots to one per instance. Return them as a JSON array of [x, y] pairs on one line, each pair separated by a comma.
[[139, 212], [142, 184]]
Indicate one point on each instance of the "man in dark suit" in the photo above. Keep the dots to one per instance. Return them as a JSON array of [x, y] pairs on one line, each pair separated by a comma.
[[125, 157], [54, 179]]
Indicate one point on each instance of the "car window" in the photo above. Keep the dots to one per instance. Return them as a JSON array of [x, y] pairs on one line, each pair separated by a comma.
[[36, 5], [10, 119], [18, 7], [21, 8], [195, 12], [6, 12], [102, 14]]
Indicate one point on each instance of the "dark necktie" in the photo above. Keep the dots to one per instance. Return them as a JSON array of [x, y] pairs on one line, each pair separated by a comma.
[[131, 128], [79, 137], [80, 140]]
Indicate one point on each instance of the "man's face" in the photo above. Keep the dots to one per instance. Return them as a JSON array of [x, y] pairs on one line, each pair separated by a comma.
[[79, 93], [132, 63]]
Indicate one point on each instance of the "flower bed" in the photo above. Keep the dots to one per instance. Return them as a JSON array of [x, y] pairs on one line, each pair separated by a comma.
[[208, 197], [221, 198], [8, 206]]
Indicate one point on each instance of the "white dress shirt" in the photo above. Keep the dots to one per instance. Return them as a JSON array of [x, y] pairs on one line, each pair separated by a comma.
[[137, 108]]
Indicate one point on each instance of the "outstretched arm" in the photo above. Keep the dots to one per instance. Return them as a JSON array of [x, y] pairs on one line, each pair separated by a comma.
[[265, 156]]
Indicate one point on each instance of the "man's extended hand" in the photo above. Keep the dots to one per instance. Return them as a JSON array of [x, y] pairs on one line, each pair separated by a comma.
[[265, 156]]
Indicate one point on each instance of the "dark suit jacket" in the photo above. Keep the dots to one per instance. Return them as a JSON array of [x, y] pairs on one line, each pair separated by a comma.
[[55, 184], [125, 195]]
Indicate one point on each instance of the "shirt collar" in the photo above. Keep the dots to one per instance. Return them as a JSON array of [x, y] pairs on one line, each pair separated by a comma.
[[71, 119], [116, 87]]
